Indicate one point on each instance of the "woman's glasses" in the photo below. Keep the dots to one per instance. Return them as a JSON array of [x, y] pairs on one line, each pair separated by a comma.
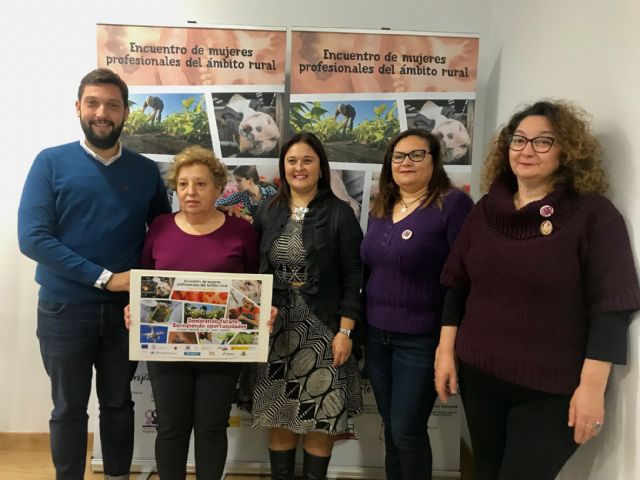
[[414, 156], [539, 144]]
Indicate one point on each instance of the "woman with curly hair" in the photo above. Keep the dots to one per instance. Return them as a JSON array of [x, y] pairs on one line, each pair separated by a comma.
[[542, 284]]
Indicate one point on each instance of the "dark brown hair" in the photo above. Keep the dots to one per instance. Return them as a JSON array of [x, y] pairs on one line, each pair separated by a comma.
[[284, 192], [104, 75], [389, 192], [249, 172]]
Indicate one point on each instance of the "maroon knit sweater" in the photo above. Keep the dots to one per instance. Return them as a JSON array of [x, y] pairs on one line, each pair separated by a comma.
[[530, 295]]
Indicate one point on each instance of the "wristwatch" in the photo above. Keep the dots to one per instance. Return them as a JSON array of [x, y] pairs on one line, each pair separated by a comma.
[[345, 331], [105, 281]]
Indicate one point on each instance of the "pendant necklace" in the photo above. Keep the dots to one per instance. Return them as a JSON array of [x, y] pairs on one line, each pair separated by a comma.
[[406, 205]]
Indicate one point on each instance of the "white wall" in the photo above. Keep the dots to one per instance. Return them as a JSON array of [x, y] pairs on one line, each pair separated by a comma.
[[46, 48], [586, 51], [573, 49]]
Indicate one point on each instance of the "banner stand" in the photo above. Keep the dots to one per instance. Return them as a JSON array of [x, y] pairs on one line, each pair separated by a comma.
[[360, 458], [355, 89], [144, 470]]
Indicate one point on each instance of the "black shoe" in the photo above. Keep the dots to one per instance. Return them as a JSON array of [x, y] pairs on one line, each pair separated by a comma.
[[283, 464], [314, 467]]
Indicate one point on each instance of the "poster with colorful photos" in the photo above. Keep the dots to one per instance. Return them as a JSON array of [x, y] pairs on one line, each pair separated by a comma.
[[197, 316]]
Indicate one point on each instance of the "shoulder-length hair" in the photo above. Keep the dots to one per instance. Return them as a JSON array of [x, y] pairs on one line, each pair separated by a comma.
[[283, 196], [580, 168], [389, 192]]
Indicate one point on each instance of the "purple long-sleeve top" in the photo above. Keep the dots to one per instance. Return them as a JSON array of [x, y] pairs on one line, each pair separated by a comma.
[[232, 248], [404, 261]]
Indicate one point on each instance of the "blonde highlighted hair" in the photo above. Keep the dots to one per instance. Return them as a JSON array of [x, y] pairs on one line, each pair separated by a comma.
[[197, 155]]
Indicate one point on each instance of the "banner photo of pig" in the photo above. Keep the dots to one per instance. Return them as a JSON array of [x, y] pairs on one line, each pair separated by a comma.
[[248, 124], [449, 120]]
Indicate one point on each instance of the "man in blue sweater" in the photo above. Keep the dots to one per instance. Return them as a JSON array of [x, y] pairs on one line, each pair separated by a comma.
[[82, 217]]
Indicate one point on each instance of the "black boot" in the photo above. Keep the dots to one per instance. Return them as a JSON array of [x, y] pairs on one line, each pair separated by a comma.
[[283, 464], [314, 467]]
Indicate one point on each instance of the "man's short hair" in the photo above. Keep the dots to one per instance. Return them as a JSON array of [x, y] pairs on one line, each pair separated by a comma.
[[104, 75]]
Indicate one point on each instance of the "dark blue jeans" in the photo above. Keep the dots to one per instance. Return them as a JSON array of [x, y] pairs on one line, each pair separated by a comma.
[[75, 338], [400, 368]]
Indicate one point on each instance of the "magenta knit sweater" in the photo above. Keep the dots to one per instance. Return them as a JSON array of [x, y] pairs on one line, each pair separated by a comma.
[[232, 248]]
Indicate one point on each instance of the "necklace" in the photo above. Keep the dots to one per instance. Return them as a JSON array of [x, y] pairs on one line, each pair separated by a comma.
[[298, 212], [406, 205]]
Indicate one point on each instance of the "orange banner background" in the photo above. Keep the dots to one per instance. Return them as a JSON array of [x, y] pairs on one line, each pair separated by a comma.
[[382, 63], [192, 56]]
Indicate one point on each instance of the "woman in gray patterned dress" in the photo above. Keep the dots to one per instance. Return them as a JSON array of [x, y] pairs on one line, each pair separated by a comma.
[[310, 386]]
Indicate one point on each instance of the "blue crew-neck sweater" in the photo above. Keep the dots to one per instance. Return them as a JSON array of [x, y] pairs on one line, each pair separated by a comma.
[[404, 261], [78, 217]]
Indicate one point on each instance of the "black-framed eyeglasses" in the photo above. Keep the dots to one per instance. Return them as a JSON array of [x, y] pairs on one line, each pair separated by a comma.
[[414, 156], [539, 144]]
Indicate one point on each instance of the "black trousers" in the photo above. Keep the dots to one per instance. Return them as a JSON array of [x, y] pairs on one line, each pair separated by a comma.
[[198, 396], [516, 433]]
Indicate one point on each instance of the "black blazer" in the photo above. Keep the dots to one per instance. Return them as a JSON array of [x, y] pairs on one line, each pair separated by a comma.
[[331, 237]]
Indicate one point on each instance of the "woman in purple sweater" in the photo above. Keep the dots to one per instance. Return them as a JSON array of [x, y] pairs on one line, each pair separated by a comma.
[[196, 395], [414, 221], [542, 282]]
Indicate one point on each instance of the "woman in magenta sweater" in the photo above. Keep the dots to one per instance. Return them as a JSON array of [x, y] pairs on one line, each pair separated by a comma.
[[196, 395], [415, 219], [542, 282]]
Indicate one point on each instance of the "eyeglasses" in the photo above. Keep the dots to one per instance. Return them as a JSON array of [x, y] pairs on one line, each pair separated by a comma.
[[539, 144], [414, 155]]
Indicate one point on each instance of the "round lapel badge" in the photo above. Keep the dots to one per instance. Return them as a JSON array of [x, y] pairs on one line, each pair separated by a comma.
[[546, 227], [546, 211], [407, 234]]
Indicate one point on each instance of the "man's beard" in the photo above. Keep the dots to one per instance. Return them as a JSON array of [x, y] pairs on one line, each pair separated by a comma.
[[101, 142]]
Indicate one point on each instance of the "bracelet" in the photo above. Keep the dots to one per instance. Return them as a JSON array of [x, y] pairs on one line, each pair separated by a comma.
[[345, 331]]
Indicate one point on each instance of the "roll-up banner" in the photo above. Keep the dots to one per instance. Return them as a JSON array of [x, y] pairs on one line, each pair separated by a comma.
[[357, 89], [223, 87]]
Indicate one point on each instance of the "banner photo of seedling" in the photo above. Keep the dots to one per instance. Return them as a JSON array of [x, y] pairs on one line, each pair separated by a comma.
[[220, 88], [195, 316]]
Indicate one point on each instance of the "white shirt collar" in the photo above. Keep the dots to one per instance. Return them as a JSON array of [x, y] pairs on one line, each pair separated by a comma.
[[104, 161]]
